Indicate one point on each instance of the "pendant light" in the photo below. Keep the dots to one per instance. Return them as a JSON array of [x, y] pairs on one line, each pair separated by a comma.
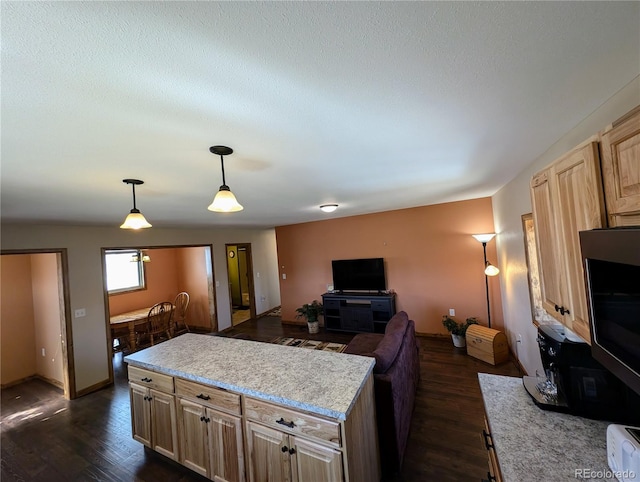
[[225, 201], [135, 219]]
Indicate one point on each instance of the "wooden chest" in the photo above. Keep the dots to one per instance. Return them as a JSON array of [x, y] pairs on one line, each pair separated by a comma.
[[487, 344]]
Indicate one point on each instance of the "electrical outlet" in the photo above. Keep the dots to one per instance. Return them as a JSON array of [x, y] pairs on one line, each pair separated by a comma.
[[284, 275], [518, 338], [263, 298], [43, 352], [80, 313], [452, 312]]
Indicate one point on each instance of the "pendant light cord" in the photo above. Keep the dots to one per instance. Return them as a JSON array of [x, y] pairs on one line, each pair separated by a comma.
[[224, 182]]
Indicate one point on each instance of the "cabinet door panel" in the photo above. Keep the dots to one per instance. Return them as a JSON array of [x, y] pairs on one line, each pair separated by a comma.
[[267, 459], [226, 450], [621, 171], [315, 462], [140, 414], [551, 263], [164, 424], [580, 204], [193, 437]]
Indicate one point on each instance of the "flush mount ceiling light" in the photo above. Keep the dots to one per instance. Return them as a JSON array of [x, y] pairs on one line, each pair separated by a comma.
[[135, 219], [225, 201], [329, 208]]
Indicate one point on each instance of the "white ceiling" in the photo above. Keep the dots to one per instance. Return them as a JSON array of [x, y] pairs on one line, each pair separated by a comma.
[[372, 105]]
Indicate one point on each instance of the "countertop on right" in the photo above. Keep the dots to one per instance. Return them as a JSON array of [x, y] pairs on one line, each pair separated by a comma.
[[534, 444]]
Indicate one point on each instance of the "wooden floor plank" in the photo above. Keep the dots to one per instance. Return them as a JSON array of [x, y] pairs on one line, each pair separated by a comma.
[[46, 438]]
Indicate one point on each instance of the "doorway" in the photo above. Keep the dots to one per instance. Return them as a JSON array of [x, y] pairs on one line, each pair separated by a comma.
[[36, 323], [240, 274]]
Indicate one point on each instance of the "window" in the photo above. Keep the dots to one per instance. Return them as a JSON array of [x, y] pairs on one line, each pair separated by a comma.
[[125, 270]]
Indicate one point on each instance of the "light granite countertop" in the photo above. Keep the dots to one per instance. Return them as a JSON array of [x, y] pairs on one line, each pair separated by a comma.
[[320, 382], [534, 444]]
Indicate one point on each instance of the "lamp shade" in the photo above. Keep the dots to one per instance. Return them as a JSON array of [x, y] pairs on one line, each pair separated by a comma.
[[491, 270], [225, 202], [135, 220], [484, 238]]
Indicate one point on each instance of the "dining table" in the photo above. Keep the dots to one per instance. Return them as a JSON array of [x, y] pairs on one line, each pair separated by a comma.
[[128, 321]]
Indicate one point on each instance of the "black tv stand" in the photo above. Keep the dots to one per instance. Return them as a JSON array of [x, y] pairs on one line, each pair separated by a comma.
[[358, 312]]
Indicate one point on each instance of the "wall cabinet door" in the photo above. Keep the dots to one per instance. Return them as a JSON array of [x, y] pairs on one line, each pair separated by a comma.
[[621, 170], [567, 199]]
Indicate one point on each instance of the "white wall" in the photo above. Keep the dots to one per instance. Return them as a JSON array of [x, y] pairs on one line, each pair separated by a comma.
[[83, 244], [513, 200]]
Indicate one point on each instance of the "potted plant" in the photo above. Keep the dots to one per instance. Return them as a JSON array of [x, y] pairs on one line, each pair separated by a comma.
[[311, 311], [458, 330]]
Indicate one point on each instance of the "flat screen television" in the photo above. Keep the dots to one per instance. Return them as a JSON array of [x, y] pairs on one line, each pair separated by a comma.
[[359, 274], [611, 260]]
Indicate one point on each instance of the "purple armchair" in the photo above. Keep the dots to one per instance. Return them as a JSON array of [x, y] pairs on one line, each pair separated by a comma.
[[396, 376]]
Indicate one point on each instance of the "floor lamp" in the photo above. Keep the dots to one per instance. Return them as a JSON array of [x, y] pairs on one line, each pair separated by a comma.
[[489, 269]]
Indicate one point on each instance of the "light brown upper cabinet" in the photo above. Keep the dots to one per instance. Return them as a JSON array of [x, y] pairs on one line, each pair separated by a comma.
[[621, 170], [567, 198]]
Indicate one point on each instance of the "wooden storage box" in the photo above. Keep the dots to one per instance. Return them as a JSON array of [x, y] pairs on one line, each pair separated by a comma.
[[487, 344]]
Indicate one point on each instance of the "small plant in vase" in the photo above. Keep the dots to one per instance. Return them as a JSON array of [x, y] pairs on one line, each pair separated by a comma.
[[458, 330], [311, 311]]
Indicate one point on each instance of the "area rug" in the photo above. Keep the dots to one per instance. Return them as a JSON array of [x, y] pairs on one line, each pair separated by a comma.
[[310, 344]]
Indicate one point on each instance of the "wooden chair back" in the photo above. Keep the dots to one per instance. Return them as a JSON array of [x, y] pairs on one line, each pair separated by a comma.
[[180, 312], [159, 321]]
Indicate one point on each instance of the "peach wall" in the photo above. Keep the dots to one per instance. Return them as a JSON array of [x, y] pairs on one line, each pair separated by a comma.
[[17, 336], [161, 281], [431, 260], [47, 316], [193, 278]]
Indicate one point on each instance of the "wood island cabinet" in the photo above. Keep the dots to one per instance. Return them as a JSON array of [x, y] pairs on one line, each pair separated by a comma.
[[210, 439], [235, 415], [153, 411], [620, 148], [275, 455], [567, 198]]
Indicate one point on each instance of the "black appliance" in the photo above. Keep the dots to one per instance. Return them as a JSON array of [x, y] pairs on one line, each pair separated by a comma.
[[365, 274], [611, 260], [574, 382]]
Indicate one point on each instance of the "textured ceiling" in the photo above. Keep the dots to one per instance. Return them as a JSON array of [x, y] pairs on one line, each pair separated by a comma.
[[374, 106]]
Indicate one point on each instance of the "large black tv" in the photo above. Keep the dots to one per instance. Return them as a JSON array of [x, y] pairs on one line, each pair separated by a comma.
[[359, 274]]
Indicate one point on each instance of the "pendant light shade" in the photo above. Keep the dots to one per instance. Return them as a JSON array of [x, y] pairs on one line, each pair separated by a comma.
[[224, 201], [135, 219]]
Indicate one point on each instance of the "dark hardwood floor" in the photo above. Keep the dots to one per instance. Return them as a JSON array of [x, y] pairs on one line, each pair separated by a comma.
[[47, 438]]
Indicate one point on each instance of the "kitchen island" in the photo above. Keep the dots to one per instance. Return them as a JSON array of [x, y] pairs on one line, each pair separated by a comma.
[[532, 444], [234, 409]]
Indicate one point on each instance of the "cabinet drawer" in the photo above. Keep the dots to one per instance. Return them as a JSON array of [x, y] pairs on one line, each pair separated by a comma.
[[293, 421], [216, 397], [151, 379], [332, 304], [380, 305]]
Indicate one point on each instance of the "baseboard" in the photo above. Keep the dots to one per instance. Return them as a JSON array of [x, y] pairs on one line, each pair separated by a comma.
[[50, 381], [92, 388]]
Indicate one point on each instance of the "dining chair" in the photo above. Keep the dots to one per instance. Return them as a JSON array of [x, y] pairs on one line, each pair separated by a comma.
[[157, 326], [181, 304]]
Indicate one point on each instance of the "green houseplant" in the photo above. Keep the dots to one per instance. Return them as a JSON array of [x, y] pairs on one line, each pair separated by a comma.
[[458, 330], [311, 311]]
